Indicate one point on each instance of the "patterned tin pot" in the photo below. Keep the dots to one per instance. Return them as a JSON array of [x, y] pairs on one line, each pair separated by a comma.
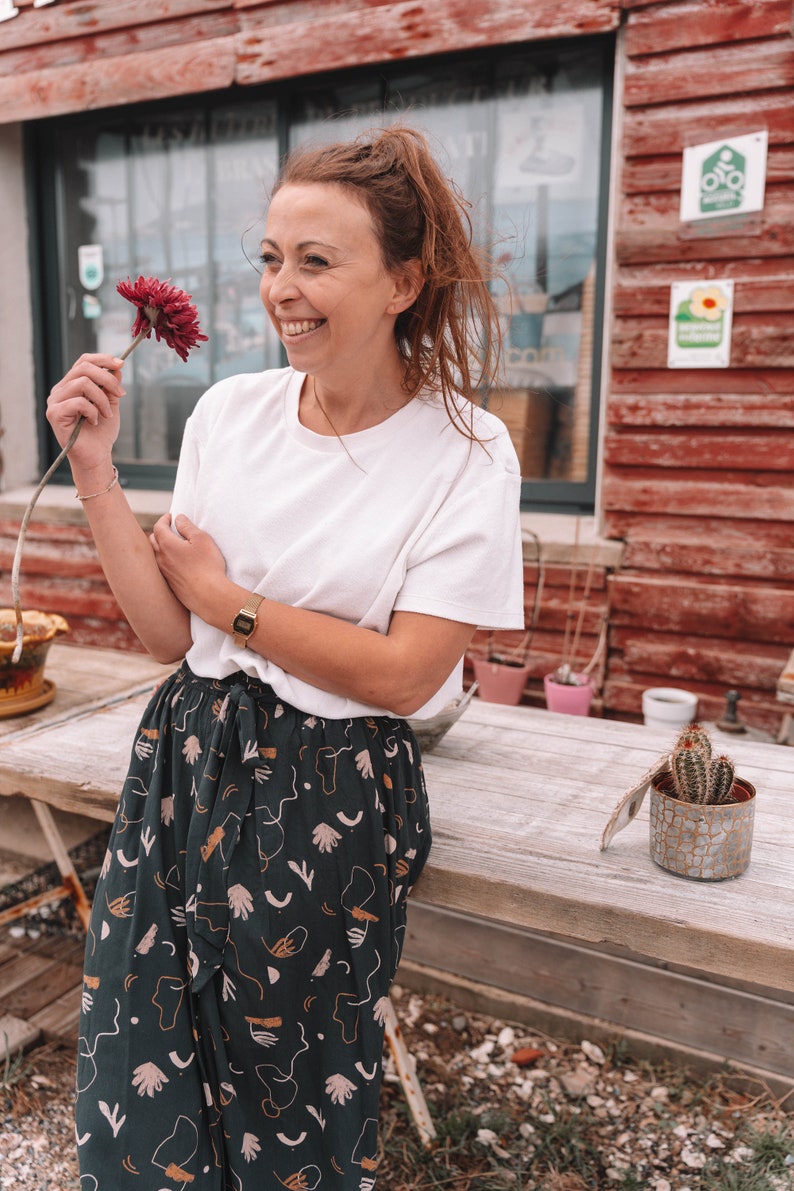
[[705, 843]]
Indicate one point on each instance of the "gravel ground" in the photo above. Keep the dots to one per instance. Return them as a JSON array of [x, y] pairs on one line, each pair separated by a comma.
[[514, 1109]]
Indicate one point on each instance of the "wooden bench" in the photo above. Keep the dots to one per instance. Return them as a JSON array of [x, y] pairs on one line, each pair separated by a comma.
[[81, 680], [518, 902]]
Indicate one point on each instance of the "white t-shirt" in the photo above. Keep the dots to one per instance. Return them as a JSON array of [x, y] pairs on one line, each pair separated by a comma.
[[412, 516]]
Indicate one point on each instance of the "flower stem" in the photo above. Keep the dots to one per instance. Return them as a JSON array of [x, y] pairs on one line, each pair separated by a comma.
[[17, 654]]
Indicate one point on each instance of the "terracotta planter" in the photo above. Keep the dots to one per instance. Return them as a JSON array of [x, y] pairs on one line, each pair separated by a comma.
[[23, 686], [704, 843], [567, 697], [500, 682]]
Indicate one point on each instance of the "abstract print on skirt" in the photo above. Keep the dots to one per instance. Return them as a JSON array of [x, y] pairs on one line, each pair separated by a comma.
[[246, 928]]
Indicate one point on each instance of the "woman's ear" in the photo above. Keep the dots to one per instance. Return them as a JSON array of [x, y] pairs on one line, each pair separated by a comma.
[[408, 282]]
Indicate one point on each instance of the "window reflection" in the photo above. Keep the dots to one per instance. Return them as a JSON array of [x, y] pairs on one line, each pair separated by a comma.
[[182, 199], [182, 194]]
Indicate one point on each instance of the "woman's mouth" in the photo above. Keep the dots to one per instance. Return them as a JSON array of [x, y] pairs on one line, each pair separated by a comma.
[[300, 327]]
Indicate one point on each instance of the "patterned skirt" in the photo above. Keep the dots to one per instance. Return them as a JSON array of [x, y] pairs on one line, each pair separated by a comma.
[[246, 928]]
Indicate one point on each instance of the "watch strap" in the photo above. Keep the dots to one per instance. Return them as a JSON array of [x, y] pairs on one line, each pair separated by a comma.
[[244, 622]]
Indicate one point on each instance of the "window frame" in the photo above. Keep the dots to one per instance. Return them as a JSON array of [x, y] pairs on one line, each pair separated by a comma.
[[45, 204]]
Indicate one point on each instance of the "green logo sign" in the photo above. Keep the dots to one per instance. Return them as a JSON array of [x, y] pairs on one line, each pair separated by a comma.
[[699, 319], [722, 180]]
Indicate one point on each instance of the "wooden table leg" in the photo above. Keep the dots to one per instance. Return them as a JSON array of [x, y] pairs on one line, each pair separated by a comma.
[[406, 1070], [71, 882]]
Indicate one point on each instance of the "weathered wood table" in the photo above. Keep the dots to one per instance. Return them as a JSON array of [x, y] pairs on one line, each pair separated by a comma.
[[518, 894], [519, 800], [85, 679]]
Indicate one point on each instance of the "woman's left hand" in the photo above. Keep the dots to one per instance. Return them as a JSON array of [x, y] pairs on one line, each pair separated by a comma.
[[189, 560]]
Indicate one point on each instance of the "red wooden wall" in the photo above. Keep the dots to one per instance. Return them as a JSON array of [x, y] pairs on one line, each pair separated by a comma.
[[698, 463], [61, 573], [99, 53]]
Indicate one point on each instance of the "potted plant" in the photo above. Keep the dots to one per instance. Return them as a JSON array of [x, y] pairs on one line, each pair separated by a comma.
[[431, 732], [568, 689], [23, 686], [502, 677], [701, 818], [702, 814], [502, 674]]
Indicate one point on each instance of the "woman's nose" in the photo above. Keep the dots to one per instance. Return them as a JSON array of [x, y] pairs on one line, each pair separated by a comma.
[[282, 284]]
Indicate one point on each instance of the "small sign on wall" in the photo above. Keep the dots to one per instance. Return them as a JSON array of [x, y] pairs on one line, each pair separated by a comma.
[[91, 265], [724, 177], [699, 331]]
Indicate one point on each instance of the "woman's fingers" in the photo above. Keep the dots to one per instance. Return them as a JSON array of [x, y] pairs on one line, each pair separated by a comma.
[[92, 387]]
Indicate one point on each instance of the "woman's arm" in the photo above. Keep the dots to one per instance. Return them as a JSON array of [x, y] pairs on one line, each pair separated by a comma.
[[400, 670], [92, 389]]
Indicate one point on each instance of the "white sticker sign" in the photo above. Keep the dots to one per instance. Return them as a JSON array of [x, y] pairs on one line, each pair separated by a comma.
[[725, 177], [90, 265], [699, 330]]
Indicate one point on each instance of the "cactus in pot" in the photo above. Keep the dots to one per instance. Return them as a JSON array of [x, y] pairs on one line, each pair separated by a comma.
[[698, 776], [701, 818]]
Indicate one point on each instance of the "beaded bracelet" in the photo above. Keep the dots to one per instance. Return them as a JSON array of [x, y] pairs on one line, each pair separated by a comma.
[[112, 484]]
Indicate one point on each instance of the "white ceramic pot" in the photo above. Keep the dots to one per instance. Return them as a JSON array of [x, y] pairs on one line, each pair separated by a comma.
[[668, 707]]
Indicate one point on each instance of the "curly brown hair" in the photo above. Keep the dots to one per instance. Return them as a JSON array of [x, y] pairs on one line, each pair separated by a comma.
[[449, 337]]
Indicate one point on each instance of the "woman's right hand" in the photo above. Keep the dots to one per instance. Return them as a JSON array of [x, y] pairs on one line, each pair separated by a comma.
[[91, 389]]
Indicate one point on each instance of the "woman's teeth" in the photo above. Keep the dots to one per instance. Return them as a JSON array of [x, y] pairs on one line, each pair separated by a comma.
[[302, 327]]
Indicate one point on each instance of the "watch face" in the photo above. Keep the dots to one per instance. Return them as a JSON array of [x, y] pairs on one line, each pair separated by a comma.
[[243, 624]]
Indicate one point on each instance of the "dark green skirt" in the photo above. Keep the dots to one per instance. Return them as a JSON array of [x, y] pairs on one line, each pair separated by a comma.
[[246, 929]]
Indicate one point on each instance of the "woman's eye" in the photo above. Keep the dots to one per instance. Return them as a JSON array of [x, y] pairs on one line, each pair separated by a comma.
[[316, 262], [267, 259]]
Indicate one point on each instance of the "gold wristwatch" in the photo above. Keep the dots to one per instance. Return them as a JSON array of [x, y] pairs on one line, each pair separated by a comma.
[[244, 622]]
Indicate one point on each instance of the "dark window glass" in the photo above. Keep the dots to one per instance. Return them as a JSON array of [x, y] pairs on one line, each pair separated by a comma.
[[180, 192]]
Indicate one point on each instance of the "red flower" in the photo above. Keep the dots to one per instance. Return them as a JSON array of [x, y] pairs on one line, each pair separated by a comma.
[[166, 310]]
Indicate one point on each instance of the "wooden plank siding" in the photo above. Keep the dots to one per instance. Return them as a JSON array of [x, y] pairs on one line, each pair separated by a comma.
[[61, 573], [697, 464], [101, 53]]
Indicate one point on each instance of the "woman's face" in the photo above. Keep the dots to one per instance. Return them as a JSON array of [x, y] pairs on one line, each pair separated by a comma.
[[324, 285]]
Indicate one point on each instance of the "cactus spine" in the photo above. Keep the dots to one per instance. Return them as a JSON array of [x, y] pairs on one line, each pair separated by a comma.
[[698, 777]]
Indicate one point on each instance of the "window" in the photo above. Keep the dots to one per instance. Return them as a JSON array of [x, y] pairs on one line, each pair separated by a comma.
[[179, 190]]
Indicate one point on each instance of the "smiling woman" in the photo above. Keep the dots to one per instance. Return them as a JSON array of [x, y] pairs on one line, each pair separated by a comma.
[[334, 304], [339, 528]]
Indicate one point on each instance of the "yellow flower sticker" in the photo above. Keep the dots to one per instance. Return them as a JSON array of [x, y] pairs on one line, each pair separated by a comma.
[[708, 303]]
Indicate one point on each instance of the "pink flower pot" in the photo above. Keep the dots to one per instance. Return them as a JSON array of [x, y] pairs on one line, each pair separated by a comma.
[[500, 683], [568, 698]]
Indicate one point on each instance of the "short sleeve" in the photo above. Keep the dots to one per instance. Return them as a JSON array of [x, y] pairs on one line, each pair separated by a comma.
[[467, 564]]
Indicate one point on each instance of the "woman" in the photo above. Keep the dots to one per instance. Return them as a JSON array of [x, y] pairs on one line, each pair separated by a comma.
[[338, 530]]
